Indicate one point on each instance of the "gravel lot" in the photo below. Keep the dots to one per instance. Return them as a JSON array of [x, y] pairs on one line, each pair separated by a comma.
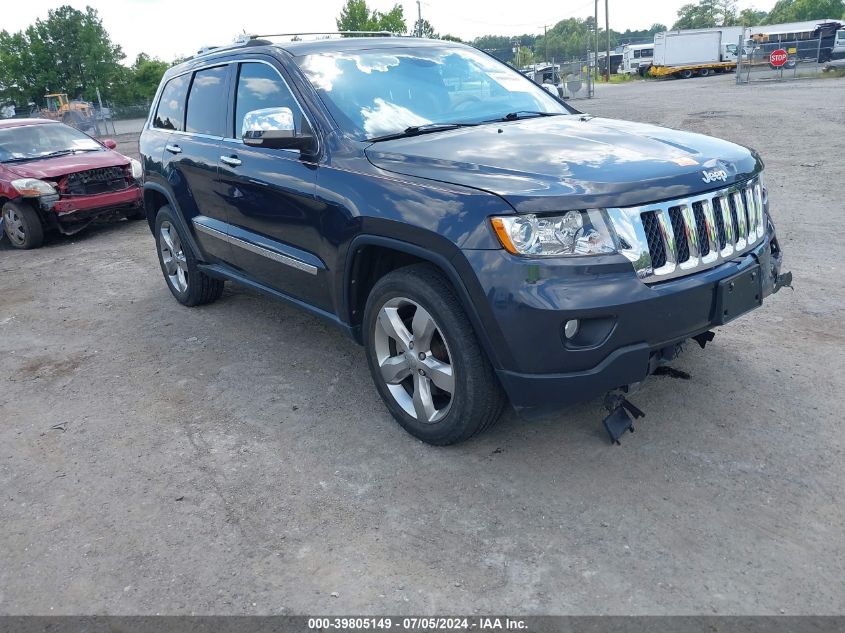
[[236, 459]]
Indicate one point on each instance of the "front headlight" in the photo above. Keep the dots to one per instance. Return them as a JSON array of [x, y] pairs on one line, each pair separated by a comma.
[[33, 188], [137, 169], [570, 234]]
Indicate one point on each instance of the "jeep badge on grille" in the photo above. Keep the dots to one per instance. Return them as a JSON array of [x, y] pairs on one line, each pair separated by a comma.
[[715, 174]]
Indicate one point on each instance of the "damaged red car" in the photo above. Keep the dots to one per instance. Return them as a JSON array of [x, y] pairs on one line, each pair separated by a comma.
[[56, 178]]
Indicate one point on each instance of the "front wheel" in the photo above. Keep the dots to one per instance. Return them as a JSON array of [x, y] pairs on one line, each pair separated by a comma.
[[22, 225], [425, 360]]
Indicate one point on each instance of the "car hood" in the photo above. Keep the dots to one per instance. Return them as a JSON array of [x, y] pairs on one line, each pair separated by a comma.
[[52, 168], [569, 162]]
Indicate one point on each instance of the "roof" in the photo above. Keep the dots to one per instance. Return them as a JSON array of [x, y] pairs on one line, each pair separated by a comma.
[[309, 47], [792, 27], [6, 123]]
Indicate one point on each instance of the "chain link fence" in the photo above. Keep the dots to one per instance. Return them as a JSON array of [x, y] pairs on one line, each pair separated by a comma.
[[567, 80], [576, 80], [87, 117], [779, 60]]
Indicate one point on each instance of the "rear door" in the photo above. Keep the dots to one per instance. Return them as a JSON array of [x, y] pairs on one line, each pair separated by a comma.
[[192, 151]]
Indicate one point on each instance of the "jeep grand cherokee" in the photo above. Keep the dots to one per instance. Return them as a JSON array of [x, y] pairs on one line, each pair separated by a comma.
[[484, 241]]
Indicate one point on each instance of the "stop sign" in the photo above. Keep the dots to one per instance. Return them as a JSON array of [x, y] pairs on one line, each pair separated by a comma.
[[778, 58]]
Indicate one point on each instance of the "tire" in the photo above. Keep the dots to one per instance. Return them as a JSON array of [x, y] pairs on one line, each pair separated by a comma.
[[186, 282], [704, 72], [22, 225], [412, 306], [685, 74]]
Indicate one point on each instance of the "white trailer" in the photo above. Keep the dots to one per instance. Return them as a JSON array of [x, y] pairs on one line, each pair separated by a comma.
[[636, 59]]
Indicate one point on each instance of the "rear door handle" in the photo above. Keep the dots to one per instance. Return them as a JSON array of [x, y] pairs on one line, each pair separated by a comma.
[[173, 149], [232, 161]]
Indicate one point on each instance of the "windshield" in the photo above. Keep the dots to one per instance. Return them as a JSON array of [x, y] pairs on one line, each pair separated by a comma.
[[379, 92], [30, 142]]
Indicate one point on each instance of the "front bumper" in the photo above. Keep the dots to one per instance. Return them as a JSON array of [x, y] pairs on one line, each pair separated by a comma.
[[82, 208], [627, 327]]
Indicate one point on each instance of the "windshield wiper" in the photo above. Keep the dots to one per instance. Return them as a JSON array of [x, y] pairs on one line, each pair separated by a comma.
[[61, 152], [22, 159], [416, 130], [525, 114]]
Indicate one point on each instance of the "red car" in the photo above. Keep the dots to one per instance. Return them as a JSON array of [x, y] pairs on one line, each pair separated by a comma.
[[54, 177]]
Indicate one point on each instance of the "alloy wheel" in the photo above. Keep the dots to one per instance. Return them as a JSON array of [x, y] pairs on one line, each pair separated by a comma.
[[414, 360], [173, 257]]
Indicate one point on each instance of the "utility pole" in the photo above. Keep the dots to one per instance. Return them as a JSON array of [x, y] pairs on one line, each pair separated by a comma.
[[597, 39], [419, 19], [546, 42], [607, 33]]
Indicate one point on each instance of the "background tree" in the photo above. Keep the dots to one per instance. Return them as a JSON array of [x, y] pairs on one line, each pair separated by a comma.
[[69, 52], [524, 58], [425, 29], [803, 10], [357, 16], [500, 46], [706, 14], [751, 17]]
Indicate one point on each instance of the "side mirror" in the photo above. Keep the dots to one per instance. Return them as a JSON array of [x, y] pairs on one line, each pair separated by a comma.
[[110, 143], [274, 128]]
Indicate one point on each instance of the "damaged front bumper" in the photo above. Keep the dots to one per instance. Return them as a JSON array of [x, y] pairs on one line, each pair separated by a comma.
[[70, 214], [629, 330]]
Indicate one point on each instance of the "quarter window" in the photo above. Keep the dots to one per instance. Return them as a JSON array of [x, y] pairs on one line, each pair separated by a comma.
[[171, 107], [207, 102], [260, 86]]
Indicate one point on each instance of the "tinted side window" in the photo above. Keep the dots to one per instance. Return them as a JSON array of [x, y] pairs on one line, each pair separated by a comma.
[[171, 106], [260, 86], [207, 102]]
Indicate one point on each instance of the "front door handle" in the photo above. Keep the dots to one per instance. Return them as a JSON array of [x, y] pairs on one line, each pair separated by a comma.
[[232, 161], [173, 149]]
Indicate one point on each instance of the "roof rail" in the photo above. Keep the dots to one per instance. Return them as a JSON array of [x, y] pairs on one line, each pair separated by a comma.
[[254, 40], [243, 40], [375, 33]]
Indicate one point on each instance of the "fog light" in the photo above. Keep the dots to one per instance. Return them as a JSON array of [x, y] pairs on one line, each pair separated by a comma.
[[570, 328]]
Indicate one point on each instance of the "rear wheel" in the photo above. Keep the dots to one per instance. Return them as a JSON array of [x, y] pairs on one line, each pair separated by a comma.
[[425, 360], [186, 281], [22, 225], [684, 74], [704, 72]]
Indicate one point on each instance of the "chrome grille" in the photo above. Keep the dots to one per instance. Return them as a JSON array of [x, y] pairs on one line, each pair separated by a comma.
[[678, 237]]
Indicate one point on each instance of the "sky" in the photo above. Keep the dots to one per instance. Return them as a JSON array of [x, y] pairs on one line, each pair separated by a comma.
[[173, 28]]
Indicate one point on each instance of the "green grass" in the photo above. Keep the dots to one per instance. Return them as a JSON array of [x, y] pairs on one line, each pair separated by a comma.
[[834, 73], [620, 79]]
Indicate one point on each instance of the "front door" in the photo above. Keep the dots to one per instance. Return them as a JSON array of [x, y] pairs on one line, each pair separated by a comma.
[[270, 196]]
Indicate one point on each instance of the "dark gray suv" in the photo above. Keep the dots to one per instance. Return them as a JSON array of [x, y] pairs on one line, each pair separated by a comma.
[[483, 240]]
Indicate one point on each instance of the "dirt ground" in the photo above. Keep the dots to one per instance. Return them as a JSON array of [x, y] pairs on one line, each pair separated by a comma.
[[236, 459]]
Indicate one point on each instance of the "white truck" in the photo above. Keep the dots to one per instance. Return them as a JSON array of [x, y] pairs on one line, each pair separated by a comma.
[[838, 51], [696, 52], [636, 59]]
